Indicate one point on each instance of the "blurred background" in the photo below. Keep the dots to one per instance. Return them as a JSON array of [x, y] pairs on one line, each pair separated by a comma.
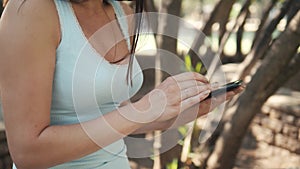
[[257, 41]]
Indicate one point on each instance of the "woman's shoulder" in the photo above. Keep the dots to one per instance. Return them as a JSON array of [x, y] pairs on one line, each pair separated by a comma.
[[30, 8], [33, 14]]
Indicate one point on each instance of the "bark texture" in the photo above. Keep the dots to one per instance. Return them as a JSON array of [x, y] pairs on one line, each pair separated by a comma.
[[280, 63]]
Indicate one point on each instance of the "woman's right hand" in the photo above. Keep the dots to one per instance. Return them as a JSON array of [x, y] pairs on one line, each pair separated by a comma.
[[171, 97]]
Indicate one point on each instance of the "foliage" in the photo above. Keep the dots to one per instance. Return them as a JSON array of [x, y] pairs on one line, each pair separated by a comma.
[[189, 67], [173, 164]]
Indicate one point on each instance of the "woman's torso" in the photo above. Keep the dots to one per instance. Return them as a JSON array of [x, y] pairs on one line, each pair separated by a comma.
[[87, 86]]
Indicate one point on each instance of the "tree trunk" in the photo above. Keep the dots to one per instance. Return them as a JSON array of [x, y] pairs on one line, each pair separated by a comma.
[[263, 42], [168, 44], [150, 7], [265, 82]]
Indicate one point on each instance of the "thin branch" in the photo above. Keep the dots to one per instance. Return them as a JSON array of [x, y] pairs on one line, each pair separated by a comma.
[[239, 38], [263, 21], [238, 22], [216, 16], [295, 8], [262, 44], [267, 36]]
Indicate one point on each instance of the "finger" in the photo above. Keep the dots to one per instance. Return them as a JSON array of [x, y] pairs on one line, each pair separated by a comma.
[[190, 76], [239, 89], [235, 92], [230, 94], [190, 83], [210, 104], [193, 91], [227, 96], [189, 102]]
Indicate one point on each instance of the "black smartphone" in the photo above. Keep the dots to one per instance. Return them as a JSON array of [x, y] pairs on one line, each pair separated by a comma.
[[225, 88]]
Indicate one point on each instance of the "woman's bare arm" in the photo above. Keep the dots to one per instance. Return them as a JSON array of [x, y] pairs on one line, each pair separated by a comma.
[[28, 41]]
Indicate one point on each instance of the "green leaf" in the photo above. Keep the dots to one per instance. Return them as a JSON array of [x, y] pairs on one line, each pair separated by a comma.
[[183, 130], [198, 67], [173, 164], [188, 63]]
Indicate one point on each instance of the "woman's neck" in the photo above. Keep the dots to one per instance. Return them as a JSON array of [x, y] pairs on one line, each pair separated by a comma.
[[93, 6]]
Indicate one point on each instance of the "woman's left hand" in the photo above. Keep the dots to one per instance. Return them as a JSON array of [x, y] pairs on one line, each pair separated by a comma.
[[202, 108], [208, 105]]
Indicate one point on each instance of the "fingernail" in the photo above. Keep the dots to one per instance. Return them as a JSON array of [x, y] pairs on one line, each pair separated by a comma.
[[206, 92]]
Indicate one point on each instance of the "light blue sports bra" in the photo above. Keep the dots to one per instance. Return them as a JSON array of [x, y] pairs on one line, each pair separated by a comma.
[[86, 86]]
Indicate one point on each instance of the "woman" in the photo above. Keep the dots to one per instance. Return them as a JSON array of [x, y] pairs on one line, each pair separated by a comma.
[[38, 42]]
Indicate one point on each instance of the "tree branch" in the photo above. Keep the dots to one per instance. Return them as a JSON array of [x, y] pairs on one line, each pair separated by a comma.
[[263, 42], [263, 21], [274, 66]]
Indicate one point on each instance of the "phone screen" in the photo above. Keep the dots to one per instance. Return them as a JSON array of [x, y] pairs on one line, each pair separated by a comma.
[[225, 88]]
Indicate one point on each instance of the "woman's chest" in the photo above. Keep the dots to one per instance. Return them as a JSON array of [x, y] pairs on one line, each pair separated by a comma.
[[92, 80]]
